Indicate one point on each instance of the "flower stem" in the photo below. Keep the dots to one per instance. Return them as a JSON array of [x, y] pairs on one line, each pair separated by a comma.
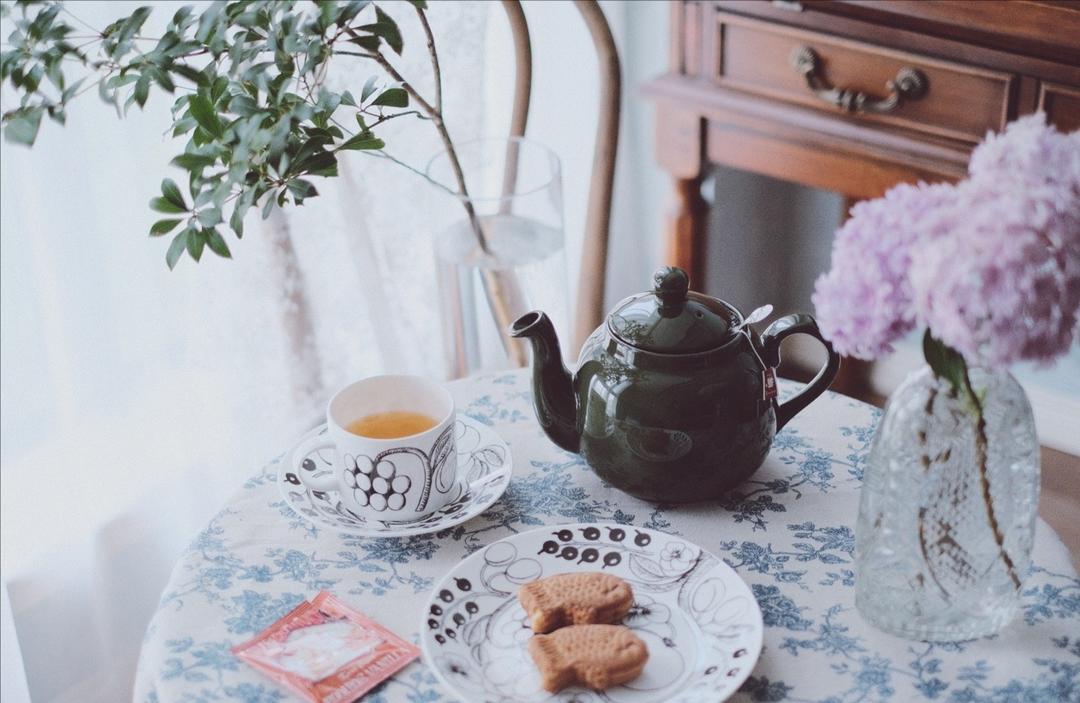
[[926, 463], [981, 444]]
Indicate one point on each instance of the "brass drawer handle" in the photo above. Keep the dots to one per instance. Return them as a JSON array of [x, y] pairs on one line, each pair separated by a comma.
[[909, 84]]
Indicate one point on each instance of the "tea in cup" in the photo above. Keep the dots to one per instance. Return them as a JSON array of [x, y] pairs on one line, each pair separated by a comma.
[[392, 424], [394, 453]]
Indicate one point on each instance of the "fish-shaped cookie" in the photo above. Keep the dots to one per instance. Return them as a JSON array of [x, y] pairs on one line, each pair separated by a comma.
[[594, 656], [575, 599]]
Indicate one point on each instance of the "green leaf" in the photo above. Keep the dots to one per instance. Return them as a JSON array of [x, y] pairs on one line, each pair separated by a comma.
[[71, 90], [387, 29], [349, 10], [195, 243], [163, 227], [204, 197], [301, 189], [133, 24], [142, 89], [285, 63], [327, 13], [54, 72], [23, 125], [203, 111], [179, 243], [362, 141], [236, 221], [166, 43], [172, 193], [163, 205], [181, 18], [392, 97], [369, 42], [418, 4], [32, 79], [322, 163], [193, 162], [122, 79], [208, 22], [185, 125], [163, 79], [209, 217], [57, 114], [217, 244], [946, 363], [244, 106], [197, 77], [369, 88]]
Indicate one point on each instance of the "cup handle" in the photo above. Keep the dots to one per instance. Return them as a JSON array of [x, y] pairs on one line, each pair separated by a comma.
[[799, 323], [307, 476]]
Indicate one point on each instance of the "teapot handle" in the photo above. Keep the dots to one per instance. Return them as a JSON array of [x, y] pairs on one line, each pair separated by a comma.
[[799, 323]]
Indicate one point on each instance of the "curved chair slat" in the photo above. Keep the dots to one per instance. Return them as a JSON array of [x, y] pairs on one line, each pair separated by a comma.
[[593, 271], [598, 216]]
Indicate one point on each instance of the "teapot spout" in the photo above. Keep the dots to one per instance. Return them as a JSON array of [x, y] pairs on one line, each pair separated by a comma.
[[553, 386]]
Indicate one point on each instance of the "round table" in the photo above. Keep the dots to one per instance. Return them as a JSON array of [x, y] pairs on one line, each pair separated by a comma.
[[788, 532]]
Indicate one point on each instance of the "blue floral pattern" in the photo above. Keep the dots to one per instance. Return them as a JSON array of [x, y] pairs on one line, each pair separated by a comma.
[[787, 531]]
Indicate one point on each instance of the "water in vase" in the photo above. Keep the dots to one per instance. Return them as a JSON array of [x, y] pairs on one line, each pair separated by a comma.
[[525, 263]]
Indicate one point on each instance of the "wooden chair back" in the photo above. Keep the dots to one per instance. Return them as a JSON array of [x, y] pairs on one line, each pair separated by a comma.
[[589, 310]]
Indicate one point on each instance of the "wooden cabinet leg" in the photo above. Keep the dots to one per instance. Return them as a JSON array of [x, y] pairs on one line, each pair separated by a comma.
[[686, 230]]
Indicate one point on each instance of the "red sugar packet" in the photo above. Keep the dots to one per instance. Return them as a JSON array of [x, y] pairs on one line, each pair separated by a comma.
[[327, 652]]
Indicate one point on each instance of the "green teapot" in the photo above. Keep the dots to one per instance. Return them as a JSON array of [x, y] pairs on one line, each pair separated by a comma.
[[674, 399]]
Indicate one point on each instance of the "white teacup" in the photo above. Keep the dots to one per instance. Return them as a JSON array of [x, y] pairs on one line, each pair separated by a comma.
[[393, 480]]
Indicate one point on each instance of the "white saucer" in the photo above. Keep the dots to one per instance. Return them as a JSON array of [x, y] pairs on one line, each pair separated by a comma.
[[700, 621], [484, 468]]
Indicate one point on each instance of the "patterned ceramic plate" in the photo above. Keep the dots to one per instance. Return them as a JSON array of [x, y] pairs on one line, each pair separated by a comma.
[[484, 468], [699, 620]]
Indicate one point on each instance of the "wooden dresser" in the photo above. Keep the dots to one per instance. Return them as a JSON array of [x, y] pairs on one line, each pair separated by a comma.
[[851, 96]]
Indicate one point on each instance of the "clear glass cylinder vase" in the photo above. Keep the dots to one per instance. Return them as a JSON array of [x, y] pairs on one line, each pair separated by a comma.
[[947, 514], [501, 252]]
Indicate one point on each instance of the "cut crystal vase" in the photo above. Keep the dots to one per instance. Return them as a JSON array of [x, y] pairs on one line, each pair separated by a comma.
[[947, 515]]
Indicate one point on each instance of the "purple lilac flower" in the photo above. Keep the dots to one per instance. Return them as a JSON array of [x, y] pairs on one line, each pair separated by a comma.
[[864, 302], [997, 273], [991, 266], [1028, 153]]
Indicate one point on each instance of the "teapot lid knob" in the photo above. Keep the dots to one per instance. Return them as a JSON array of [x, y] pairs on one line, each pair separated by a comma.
[[670, 319], [670, 285]]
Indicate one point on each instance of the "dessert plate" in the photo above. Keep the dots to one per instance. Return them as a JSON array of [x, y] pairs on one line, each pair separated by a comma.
[[699, 620], [484, 468]]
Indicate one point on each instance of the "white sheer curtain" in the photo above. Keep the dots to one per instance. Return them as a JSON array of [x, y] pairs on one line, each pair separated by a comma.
[[135, 399]]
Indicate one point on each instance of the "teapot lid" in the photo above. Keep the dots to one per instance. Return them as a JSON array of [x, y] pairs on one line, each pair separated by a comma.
[[672, 320]]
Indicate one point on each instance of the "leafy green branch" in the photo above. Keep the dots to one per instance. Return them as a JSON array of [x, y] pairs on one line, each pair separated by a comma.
[[248, 78]]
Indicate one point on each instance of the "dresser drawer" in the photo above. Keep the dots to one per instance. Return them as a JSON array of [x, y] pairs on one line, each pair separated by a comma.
[[1061, 103], [943, 98]]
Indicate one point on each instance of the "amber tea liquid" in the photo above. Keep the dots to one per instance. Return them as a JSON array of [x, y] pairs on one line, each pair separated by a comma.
[[392, 424]]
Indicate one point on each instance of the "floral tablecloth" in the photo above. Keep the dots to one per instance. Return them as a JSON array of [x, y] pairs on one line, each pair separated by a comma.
[[788, 532]]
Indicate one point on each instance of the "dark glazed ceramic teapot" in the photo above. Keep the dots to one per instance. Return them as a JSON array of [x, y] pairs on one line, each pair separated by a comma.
[[673, 400]]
